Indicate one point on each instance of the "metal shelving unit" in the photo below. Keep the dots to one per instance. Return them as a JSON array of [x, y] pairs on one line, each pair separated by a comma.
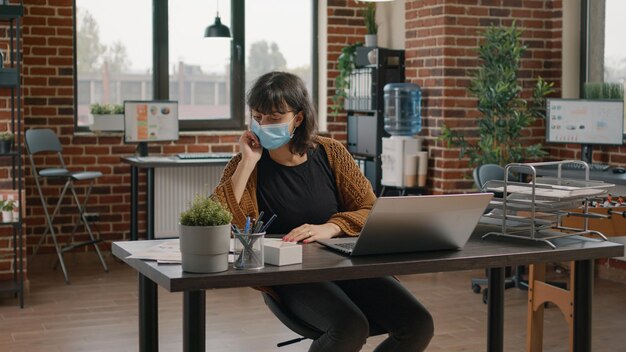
[[533, 210], [10, 80]]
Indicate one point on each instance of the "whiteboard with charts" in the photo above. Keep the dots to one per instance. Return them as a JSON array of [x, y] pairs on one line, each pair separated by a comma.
[[585, 121]]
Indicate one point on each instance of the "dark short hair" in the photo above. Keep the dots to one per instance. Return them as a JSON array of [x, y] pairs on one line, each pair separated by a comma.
[[280, 91]]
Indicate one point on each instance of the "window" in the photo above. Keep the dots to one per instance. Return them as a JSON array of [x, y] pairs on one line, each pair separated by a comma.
[[204, 75], [113, 63]]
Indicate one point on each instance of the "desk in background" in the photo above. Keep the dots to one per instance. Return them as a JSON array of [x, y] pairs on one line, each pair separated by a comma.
[[320, 264], [180, 181]]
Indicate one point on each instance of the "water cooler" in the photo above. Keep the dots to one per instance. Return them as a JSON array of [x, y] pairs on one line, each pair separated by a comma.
[[401, 152]]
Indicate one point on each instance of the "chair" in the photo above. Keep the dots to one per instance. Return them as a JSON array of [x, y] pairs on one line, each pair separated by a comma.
[[297, 325], [482, 174], [45, 141]]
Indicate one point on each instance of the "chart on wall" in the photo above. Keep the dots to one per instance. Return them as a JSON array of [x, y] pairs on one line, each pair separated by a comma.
[[585, 121], [146, 121]]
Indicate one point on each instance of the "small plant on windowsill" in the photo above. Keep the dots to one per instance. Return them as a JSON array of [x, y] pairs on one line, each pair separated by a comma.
[[6, 142], [107, 117]]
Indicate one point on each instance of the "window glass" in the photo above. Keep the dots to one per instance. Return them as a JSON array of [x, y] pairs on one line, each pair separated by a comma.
[[113, 62], [199, 68], [614, 48], [279, 42]]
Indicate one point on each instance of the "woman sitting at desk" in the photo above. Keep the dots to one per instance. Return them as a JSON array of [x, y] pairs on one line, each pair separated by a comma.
[[317, 191]]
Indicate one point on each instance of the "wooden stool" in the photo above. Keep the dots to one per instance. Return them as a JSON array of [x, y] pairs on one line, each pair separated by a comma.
[[539, 293]]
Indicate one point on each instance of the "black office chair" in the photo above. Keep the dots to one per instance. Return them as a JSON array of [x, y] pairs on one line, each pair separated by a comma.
[[482, 174], [297, 325]]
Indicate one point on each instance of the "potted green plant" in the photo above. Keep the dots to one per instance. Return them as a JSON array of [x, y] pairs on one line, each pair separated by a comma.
[[504, 113], [107, 117], [603, 90], [6, 142], [345, 65], [205, 236], [7, 210], [369, 17]]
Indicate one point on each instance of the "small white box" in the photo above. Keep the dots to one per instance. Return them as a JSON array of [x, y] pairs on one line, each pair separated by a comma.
[[280, 253]]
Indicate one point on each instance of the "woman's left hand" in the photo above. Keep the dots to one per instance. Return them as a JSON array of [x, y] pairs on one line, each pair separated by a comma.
[[310, 233]]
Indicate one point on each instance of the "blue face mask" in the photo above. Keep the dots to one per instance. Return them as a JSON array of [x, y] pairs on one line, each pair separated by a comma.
[[274, 135]]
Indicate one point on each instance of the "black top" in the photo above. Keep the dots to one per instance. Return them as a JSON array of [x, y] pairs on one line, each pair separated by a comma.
[[300, 194]]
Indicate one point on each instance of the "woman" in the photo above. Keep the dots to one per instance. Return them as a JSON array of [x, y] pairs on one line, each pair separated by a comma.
[[317, 191]]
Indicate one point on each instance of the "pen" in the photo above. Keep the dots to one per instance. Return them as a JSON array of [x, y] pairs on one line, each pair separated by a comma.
[[258, 227], [260, 215], [269, 222], [247, 228]]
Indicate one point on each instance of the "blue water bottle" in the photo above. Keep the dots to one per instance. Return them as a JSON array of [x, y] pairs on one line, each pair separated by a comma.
[[403, 109]]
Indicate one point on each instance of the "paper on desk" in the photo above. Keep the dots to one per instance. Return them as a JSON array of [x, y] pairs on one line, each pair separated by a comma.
[[166, 253]]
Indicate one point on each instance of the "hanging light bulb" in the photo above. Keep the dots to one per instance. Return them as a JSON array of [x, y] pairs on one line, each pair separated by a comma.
[[217, 29]]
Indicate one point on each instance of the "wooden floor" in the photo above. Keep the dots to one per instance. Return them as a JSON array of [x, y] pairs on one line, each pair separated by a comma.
[[98, 312]]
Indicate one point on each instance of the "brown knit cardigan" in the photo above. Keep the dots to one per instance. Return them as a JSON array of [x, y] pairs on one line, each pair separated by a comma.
[[355, 192]]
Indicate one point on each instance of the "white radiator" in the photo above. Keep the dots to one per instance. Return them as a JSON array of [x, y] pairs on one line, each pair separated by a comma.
[[175, 188]]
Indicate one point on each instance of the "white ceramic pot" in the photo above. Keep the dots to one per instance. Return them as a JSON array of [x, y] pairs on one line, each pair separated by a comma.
[[7, 216], [371, 40], [204, 249], [108, 123]]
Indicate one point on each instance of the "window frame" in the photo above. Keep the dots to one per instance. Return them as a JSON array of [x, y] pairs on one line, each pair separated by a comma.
[[160, 64]]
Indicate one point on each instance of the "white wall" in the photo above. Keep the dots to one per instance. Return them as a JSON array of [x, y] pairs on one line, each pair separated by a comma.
[[390, 19]]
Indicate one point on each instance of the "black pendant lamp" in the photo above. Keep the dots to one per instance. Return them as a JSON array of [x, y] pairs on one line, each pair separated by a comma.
[[217, 29]]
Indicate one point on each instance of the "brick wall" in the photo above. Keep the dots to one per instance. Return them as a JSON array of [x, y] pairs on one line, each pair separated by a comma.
[[441, 41]]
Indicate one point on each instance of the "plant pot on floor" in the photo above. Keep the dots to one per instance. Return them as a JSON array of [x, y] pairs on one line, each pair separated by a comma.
[[204, 249]]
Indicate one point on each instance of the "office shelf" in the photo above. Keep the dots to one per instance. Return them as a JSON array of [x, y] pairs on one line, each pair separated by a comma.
[[365, 107], [10, 19]]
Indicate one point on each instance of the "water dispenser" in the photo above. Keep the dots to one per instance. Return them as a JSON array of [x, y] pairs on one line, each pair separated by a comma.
[[403, 162]]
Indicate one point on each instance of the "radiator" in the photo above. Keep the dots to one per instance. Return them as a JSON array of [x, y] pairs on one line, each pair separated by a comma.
[[175, 188]]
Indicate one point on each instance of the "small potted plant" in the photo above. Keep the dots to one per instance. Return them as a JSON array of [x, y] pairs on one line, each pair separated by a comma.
[[107, 117], [7, 210], [6, 142], [205, 236], [369, 16]]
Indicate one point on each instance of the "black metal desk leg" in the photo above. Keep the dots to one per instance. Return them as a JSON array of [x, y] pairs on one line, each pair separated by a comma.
[[583, 293], [495, 309], [194, 321], [134, 198], [150, 204], [148, 315]]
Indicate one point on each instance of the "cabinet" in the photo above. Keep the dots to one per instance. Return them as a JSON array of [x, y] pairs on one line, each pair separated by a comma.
[[11, 187], [365, 107]]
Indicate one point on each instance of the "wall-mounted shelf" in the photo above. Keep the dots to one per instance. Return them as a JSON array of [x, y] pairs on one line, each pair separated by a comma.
[[10, 19]]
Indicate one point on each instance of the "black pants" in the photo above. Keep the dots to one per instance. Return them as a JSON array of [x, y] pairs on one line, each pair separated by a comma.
[[346, 311]]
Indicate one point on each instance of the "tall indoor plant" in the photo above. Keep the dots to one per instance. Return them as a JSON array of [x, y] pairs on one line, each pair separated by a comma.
[[205, 236], [504, 113]]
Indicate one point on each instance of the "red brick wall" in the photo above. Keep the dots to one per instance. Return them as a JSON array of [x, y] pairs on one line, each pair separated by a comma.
[[441, 41], [345, 27]]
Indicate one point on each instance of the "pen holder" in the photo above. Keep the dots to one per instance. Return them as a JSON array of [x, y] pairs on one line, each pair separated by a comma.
[[249, 251]]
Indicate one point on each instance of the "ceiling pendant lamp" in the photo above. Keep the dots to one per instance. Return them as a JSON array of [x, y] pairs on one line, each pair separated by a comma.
[[217, 29]]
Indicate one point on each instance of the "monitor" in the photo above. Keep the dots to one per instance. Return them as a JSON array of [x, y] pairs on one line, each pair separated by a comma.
[[150, 121], [585, 122]]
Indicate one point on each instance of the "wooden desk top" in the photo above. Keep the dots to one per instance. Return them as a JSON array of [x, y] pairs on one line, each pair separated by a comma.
[[321, 264]]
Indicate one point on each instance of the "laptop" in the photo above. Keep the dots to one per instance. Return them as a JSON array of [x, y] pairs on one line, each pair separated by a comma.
[[415, 224]]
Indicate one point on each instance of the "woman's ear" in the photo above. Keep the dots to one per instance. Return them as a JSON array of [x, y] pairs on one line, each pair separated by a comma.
[[299, 118]]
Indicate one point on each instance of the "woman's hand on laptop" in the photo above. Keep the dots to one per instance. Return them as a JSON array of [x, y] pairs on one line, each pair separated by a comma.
[[310, 233]]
